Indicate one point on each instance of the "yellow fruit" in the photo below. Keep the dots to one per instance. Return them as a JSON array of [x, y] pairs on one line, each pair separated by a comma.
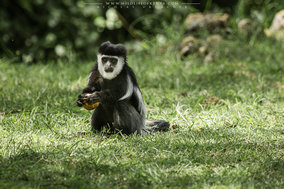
[[91, 106]]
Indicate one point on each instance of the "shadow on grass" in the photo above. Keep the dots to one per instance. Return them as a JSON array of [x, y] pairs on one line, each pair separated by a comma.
[[30, 168]]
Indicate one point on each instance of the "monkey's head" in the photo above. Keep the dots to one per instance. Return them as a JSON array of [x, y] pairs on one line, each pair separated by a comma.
[[111, 59]]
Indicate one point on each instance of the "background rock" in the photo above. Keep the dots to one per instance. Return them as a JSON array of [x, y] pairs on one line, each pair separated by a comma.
[[189, 45], [206, 47], [276, 29], [208, 21], [246, 27]]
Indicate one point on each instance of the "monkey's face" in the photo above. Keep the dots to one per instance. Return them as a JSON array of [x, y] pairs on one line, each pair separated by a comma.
[[110, 66], [109, 63]]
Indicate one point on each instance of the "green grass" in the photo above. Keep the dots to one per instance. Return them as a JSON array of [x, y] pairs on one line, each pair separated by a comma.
[[229, 115]]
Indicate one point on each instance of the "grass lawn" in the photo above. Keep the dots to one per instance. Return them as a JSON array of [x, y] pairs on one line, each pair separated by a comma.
[[229, 116]]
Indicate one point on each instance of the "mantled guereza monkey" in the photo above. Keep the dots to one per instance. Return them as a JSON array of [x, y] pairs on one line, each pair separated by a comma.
[[113, 83]]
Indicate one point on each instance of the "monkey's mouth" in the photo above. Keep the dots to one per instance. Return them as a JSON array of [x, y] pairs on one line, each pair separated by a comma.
[[108, 70]]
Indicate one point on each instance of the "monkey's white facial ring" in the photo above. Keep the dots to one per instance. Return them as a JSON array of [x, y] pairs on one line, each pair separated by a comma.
[[110, 66]]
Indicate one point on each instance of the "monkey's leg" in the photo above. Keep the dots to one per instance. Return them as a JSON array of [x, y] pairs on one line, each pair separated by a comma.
[[97, 120], [127, 119]]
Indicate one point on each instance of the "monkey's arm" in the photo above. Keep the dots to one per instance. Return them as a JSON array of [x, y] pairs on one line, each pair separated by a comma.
[[92, 87], [105, 96], [102, 90]]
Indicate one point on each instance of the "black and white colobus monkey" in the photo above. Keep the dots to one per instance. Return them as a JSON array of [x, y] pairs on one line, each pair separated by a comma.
[[113, 83]]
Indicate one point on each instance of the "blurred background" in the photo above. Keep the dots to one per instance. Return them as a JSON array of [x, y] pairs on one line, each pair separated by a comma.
[[34, 31]]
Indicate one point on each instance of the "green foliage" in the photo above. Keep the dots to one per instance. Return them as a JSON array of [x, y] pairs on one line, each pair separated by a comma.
[[36, 30], [45, 30], [260, 11], [229, 115], [41, 30]]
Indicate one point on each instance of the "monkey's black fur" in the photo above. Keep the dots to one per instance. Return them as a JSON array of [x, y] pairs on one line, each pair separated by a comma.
[[113, 49], [121, 103]]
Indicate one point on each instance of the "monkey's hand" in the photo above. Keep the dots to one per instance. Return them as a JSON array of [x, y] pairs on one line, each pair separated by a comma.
[[93, 98], [81, 99], [87, 98]]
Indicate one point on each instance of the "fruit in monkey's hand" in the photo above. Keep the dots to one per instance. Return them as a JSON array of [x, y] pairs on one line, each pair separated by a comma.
[[88, 106], [91, 106]]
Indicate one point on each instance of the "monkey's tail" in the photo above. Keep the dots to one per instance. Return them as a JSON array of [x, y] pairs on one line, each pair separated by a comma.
[[157, 125]]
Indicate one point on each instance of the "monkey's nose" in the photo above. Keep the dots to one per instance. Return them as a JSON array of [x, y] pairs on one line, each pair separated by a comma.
[[108, 69]]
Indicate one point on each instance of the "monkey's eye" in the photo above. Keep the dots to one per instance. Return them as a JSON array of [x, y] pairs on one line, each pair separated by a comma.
[[104, 60], [113, 60]]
